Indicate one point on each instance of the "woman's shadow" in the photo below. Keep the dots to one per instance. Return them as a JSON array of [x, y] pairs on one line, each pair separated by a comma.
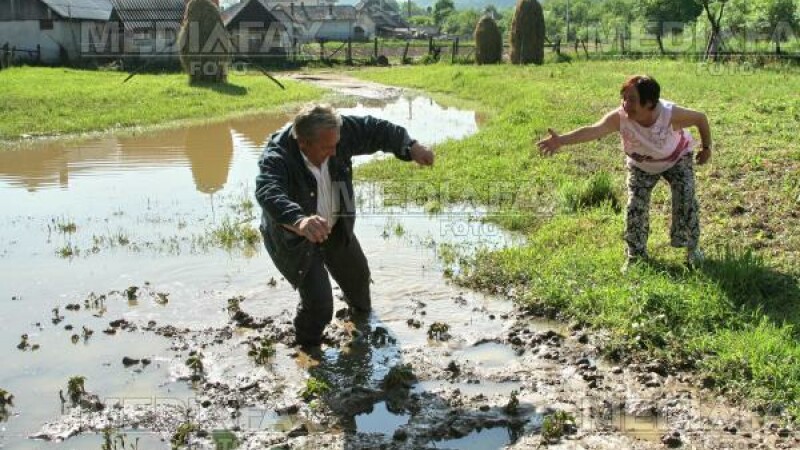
[[752, 285]]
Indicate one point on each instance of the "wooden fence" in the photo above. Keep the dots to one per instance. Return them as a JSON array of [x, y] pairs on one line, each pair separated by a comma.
[[9, 54], [385, 51]]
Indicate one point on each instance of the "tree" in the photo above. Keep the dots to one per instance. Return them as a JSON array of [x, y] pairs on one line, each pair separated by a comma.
[[617, 15], [461, 23], [714, 10], [442, 9], [779, 17], [661, 14]]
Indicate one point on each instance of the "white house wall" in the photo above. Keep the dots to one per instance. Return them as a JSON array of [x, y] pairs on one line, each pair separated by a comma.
[[335, 30], [365, 22], [25, 34]]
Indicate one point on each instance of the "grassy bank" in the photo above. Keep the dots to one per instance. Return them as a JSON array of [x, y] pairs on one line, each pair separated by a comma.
[[735, 318], [54, 101]]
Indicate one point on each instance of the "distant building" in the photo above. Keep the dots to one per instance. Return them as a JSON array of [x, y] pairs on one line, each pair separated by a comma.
[[145, 29], [382, 18], [257, 32], [49, 31], [328, 22]]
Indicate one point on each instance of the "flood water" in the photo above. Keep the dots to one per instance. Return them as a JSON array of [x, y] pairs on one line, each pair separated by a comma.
[[105, 215]]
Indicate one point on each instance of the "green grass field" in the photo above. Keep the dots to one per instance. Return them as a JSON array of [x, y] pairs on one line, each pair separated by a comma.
[[735, 318], [55, 101]]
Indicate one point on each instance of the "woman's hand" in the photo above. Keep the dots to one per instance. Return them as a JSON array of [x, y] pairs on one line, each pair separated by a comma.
[[550, 146], [703, 155]]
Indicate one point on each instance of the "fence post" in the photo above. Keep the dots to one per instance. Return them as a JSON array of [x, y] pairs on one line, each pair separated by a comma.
[[349, 59], [322, 50], [405, 53], [38, 53], [11, 59], [3, 53], [375, 49], [454, 51], [430, 46]]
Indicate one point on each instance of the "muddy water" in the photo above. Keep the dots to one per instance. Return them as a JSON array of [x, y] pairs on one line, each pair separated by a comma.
[[123, 228], [105, 215]]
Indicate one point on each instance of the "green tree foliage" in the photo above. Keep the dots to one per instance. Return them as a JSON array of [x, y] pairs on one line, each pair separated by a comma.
[[488, 42], [442, 9], [461, 23], [527, 33], [668, 15], [780, 19], [424, 21]]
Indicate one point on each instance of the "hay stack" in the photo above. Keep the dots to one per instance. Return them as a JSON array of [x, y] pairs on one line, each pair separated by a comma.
[[527, 33], [488, 42], [204, 43]]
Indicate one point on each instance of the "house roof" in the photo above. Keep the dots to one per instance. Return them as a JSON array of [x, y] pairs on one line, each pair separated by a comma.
[[81, 9], [143, 13], [319, 13], [387, 20], [374, 4], [232, 11]]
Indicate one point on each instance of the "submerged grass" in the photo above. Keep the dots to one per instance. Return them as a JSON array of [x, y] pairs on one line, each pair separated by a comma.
[[736, 317], [37, 101]]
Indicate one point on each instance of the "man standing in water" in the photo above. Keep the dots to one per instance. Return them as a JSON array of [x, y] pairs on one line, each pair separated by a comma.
[[657, 145], [305, 189]]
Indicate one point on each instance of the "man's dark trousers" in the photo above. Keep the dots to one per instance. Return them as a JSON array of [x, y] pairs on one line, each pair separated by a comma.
[[346, 262]]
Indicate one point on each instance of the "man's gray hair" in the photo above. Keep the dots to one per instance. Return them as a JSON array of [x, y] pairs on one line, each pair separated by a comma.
[[315, 117]]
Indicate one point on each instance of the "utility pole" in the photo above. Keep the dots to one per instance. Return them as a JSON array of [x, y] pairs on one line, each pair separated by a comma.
[[409, 18], [567, 21]]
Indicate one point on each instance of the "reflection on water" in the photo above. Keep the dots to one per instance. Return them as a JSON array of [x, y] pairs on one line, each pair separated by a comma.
[[147, 190], [380, 420], [487, 439], [206, 150], [490, 355]]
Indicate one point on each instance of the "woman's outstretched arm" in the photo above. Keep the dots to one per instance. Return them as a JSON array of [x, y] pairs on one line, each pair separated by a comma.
[[603, 127]]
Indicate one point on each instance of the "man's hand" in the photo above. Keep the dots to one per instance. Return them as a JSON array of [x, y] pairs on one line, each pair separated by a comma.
[[549, 146], [313, 228], [703, 156], [421, 154]]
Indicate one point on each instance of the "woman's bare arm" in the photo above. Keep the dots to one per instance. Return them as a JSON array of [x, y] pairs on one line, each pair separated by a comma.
[[603, 127], [686, 118]]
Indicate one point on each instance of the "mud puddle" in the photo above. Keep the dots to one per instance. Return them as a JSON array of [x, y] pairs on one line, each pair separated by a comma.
[[125, 229]]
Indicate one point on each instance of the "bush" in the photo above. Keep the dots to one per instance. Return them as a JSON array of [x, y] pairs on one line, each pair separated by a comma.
[[488, 42], [589, 193], [527, 33]]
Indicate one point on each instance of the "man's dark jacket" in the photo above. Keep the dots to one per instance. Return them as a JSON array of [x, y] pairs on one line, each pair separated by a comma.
[[287, 191]]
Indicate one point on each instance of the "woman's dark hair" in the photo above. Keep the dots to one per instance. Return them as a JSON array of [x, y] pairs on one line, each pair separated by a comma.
[[647, 87]]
